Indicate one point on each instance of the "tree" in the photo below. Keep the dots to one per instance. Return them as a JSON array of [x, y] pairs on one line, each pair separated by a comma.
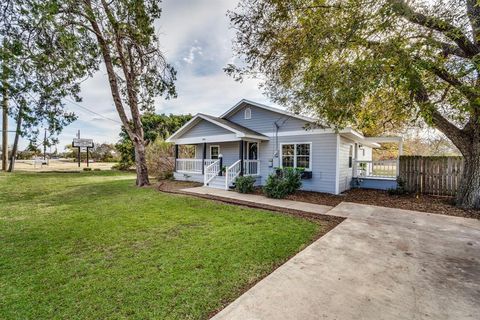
[[41, 65], [418, 60], [156, 126], [137, 71], [104, 152]]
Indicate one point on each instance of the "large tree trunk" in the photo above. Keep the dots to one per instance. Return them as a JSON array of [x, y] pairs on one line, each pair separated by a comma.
[[468, 195], [141, 163], [13, 155]]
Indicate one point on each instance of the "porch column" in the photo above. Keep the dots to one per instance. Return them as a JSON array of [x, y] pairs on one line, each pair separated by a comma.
[[176, 157], [241, 157], [204, 156]]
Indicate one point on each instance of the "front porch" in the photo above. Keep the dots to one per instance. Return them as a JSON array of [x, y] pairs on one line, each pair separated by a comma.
[[220, 164]]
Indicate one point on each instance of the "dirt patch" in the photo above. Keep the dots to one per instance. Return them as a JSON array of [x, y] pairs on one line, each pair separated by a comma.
[[173, 185], [424, 203]]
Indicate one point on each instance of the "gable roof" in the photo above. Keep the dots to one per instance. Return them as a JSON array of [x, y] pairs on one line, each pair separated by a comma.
[[243, 102], [238, 130]]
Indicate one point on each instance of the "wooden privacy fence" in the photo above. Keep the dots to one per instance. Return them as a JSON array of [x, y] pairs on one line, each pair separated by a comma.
[[431, 175]]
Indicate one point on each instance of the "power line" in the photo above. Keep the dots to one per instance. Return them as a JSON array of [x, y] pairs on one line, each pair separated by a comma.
[[96, 113]]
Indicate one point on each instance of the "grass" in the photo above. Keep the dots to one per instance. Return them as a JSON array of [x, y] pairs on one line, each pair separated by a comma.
[[93, 246]]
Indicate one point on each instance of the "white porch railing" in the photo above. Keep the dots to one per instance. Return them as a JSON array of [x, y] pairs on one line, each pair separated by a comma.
[[231, 173], [192, 165], [211, 171], [209, 161], [375, 169], [251, 167], [189, 165]]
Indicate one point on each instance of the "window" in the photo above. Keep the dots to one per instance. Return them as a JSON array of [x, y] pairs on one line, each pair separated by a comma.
[[297, 155], [350, 156], [248, 113], [214, 152]]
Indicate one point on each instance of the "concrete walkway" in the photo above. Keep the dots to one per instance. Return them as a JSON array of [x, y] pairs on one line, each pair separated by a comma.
[[256, 199], [379, 263]]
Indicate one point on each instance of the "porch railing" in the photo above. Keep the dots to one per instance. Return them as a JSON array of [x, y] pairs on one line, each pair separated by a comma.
[[211, 171], [251, 167], [192, 165], [232, 172], [189, 165], [375, 169]]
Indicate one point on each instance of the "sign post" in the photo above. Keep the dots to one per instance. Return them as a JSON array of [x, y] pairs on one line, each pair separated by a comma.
[[82, 143]]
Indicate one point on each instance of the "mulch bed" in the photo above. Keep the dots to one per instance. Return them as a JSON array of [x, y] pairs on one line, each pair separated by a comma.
[[424, 203]]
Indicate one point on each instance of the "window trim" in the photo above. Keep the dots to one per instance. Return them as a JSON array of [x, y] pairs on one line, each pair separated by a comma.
[[249, 114], [248, 150], [310, 158], [213, 146]]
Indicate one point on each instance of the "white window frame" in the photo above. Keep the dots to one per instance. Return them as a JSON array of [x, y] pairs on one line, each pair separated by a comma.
[[247, 116], [295, 154], [213, 146], [248, 150]]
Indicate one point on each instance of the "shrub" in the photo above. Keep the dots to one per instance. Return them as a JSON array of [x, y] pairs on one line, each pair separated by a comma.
[[400, 189], [97, 169], [244, 184], [282, 183], [123, 166], [87, 169], [293, 179], [160, 159]]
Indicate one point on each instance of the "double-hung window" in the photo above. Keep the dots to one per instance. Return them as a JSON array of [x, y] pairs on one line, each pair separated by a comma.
[[297, 155]]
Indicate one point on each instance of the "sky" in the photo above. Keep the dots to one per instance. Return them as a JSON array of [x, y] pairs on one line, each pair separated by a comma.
[[196, 39]]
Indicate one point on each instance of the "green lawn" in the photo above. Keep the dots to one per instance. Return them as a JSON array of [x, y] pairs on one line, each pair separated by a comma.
[[93, 246]]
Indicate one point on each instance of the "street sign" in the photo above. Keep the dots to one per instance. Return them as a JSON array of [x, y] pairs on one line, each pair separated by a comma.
[[82, 143]]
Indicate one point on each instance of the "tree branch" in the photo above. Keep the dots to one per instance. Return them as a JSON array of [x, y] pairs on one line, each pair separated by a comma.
[[447, 29], [473, 13], [420, 94]]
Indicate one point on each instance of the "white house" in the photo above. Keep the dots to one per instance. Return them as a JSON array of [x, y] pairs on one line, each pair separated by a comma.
[[254, 139]]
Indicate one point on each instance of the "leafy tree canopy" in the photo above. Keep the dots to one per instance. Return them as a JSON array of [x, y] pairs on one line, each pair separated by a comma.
[[156, 126], [371, 64]]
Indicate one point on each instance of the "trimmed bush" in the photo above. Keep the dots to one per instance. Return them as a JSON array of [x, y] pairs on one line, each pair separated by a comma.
[[282, 183], [399, 190], [293, 179], [87, 169], [245, 184]]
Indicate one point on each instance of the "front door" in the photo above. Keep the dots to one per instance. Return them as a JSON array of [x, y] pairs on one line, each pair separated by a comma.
[[252, 148]]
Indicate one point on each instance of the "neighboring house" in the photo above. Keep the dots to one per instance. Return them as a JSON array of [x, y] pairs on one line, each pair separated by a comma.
[[254, 139]]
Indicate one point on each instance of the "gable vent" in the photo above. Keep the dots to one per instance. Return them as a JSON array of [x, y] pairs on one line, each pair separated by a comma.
[[248, 113]]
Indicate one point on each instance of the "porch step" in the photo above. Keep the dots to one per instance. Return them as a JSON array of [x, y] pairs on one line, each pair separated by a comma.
[[217, 182]]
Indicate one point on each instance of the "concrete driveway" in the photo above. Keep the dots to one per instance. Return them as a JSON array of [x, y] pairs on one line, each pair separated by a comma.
[[380, 263]]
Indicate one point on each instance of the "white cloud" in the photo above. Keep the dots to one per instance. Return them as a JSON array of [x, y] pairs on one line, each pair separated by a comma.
[[196, 39]]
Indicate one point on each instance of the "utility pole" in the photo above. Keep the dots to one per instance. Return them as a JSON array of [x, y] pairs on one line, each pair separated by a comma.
[[45, 145], [4, 127]]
